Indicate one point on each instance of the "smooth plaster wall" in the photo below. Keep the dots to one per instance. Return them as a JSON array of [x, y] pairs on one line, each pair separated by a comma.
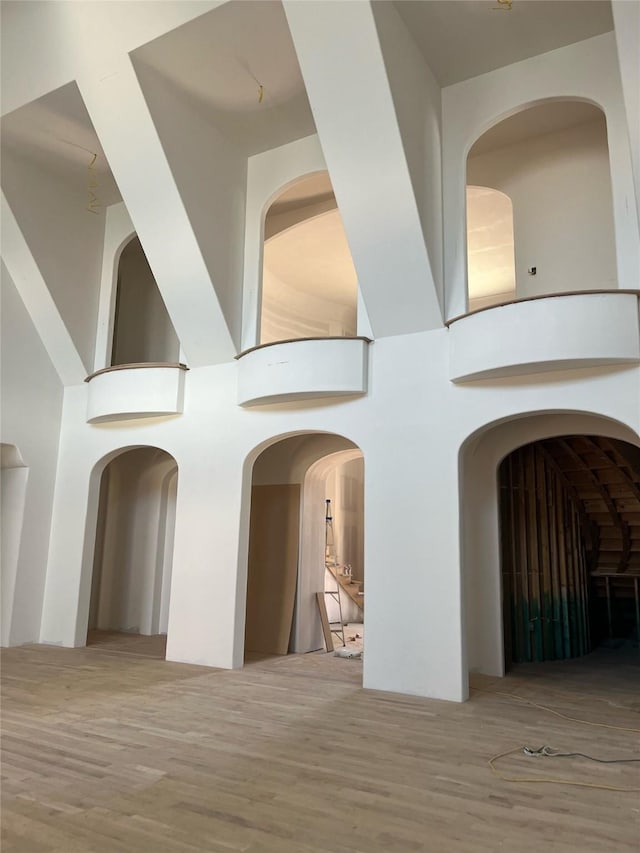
[[211, 176], [560, 187], [142, 330], [409, 427], [65, 240], [30, 420], [626, 18], [587, 70]]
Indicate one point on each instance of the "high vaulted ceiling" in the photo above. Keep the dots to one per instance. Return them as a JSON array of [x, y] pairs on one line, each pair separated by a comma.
[[56, 132], [460, 39], [239, 63]]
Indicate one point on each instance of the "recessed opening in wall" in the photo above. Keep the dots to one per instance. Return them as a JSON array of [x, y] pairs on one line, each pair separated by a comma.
[[142, 329], [133, 554], [550, 162], [299, 563], [570, 549], [309, 283]]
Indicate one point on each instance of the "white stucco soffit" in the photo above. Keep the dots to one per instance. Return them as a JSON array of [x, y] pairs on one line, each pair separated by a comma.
[[38, 301]]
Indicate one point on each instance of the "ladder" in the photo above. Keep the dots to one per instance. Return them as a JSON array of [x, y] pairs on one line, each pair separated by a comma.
[[330, 629]]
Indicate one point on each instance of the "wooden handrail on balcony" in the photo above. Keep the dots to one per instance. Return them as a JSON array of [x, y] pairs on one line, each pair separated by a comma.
[[534, 299], [135, 366], [298, 340]]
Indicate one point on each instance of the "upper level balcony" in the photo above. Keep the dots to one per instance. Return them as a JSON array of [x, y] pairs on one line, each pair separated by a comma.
[[537, 334], [304, 369], [143, 390]]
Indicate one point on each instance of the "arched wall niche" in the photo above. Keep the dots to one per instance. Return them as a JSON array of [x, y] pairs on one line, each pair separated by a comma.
[[14, 476], [480, 457], [128, 550], [551, 158], [296, 466], [309, 285], [142, 328]]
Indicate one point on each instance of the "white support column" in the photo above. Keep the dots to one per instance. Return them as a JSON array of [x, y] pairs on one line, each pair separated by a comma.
[[413, 616], [38, 301], [206, 611], [115, 101], [342, 65]]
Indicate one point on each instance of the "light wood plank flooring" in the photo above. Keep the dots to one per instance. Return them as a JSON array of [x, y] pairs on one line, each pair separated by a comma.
[[109, 751]]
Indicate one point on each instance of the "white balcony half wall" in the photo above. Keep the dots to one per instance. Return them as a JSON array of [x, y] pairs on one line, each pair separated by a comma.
[[302, 370], [548, 333], [127, 391]]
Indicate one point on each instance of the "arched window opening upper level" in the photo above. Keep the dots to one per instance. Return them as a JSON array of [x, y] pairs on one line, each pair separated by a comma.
[[142, 328], [552, 162], [309, 283]]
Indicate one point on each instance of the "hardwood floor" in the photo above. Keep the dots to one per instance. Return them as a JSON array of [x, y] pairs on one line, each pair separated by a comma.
[[112, 752]]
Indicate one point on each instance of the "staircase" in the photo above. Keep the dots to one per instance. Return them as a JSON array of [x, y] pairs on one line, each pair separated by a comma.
[[352, 588]]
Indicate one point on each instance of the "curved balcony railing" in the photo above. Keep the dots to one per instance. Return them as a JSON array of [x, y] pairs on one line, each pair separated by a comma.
[[303, 369], [590, 328], [144, 390]]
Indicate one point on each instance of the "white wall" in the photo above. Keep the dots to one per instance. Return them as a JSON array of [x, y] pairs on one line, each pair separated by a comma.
[[626, 19], [65, 240], [31, 411], [210, 173], [560, 187], [132, 561], [586, 70], [142, 330], [409, 427]]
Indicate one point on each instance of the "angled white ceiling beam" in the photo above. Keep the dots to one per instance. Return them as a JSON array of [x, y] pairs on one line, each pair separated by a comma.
[[626, 19], [38, 301], [128, 136], [344, 72]]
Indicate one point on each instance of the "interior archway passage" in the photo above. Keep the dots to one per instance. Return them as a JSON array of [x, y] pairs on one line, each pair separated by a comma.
[[570, 539]]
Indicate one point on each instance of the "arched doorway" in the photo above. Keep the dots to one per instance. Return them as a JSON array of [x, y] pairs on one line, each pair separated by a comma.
[[551, 161], [142, 328], [291, 481], [133, 552], [309, 283], [570, 547], [485, 530]]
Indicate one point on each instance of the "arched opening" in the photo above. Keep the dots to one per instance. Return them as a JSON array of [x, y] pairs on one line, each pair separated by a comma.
[[570, 547], [133, 553], [289, 562], [552, 161], [309, 283], [142, 328], [548, 511], [13, 493]]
